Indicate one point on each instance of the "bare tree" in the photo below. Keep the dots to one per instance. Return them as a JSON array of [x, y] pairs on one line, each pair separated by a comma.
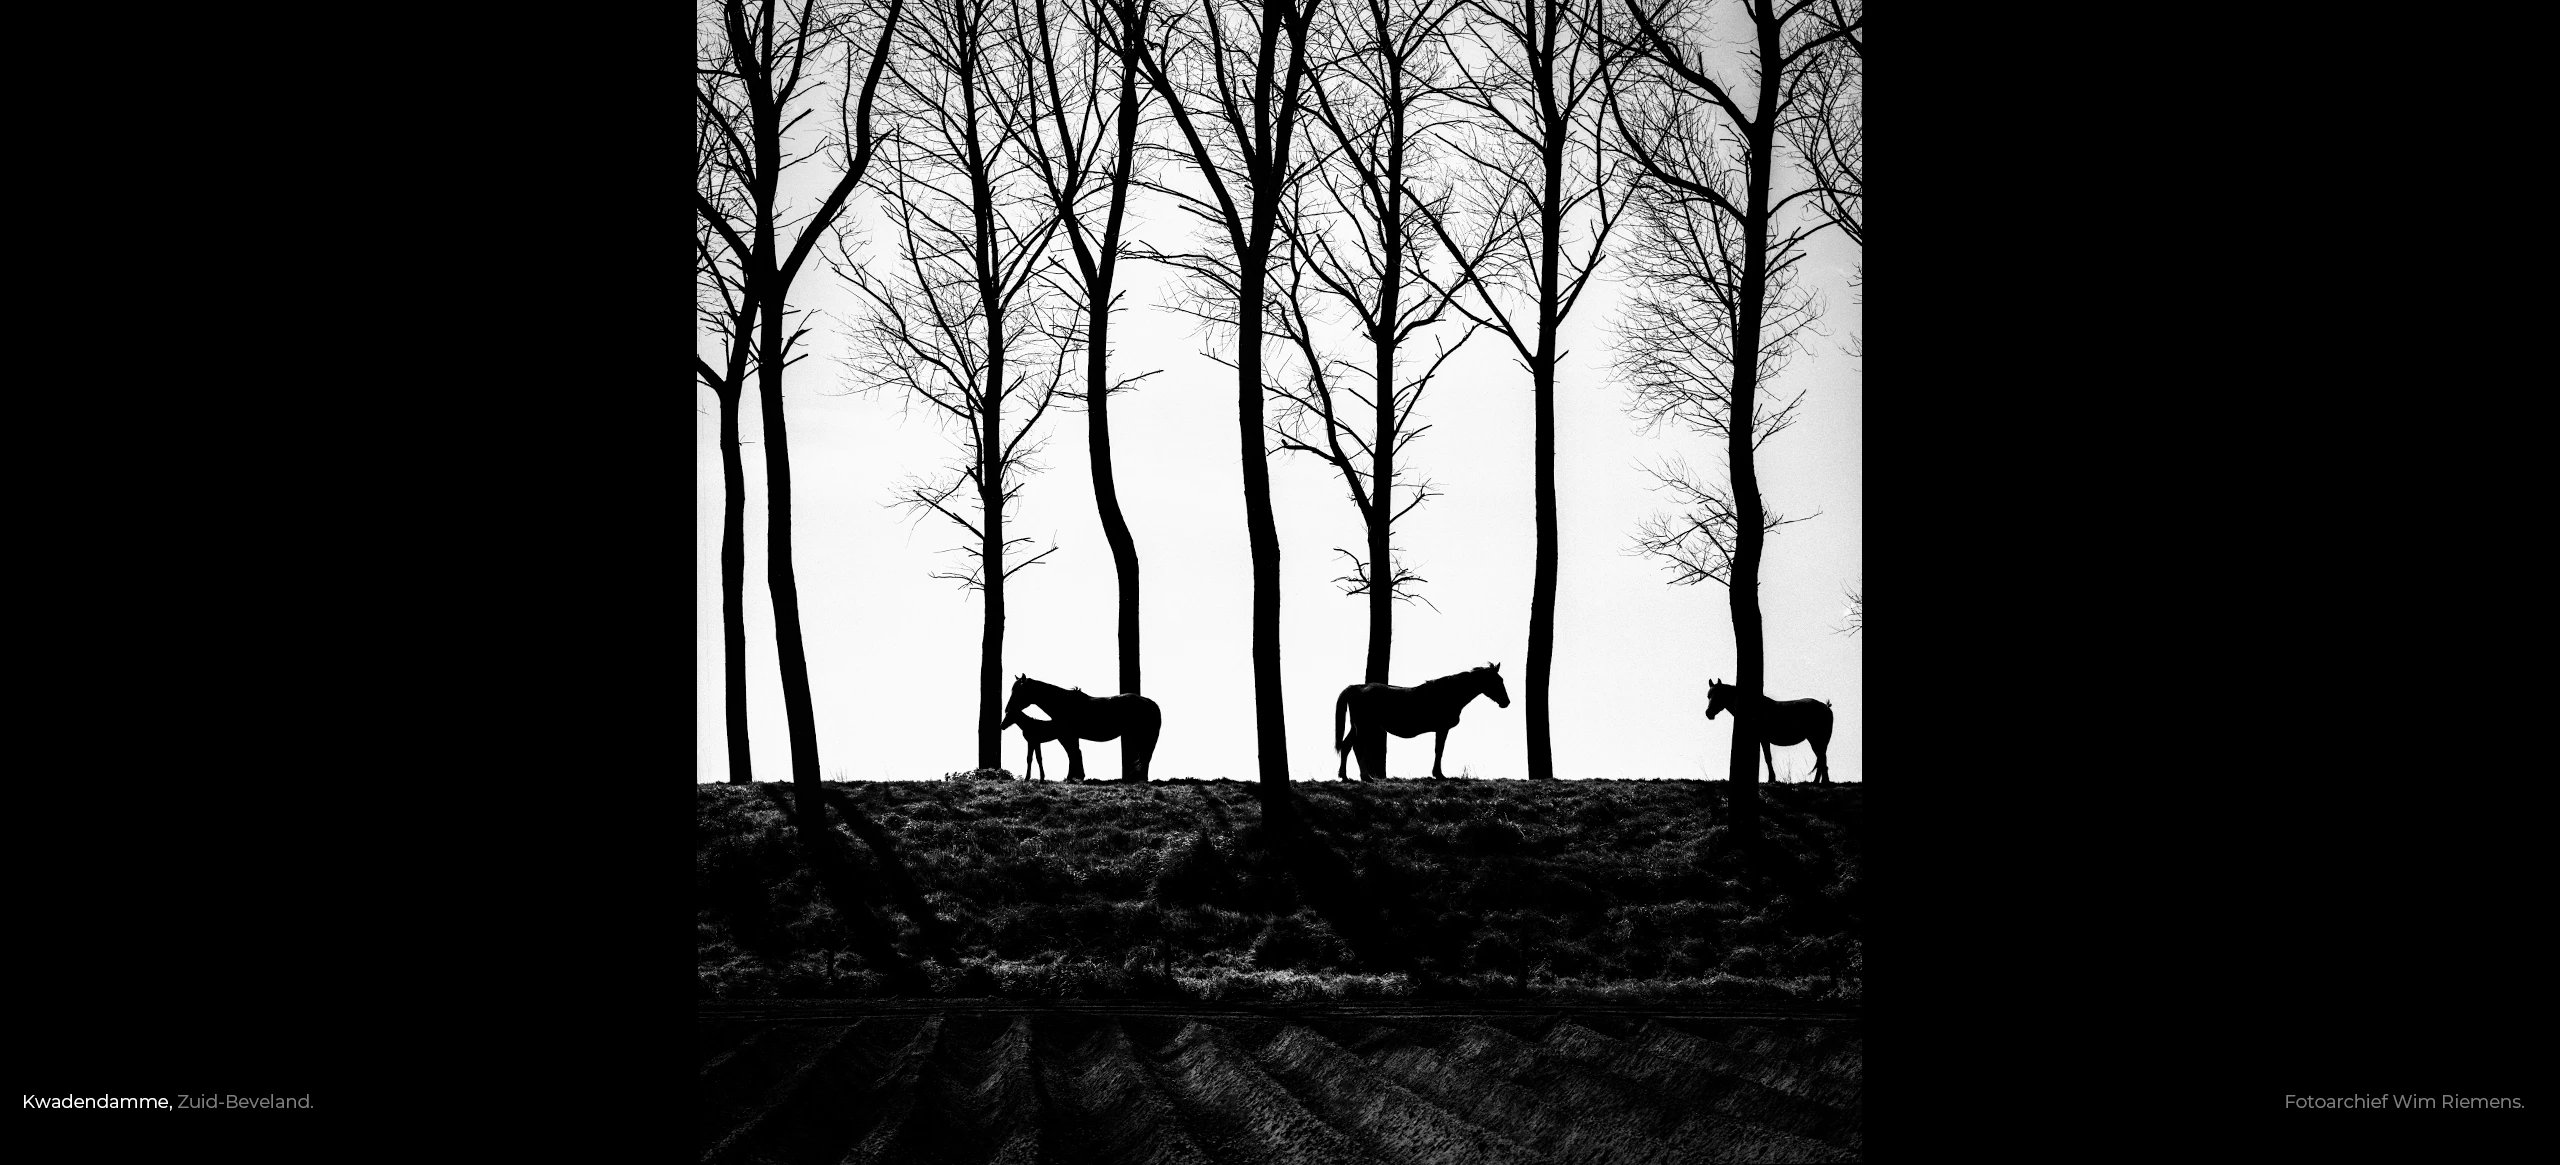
[[1532, 70], [1361, 240], [722, 305], [967, 325], [1828, 127], [1675, 353], [763, 68], [1234, 76], [1084, 145], [1855, 614], [1829, 130], [1717, 310]]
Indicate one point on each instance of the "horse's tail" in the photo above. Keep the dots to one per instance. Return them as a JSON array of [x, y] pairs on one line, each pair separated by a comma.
[[1341, 707]]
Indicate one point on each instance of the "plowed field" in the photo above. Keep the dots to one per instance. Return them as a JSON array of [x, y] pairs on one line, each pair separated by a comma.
[[964, 1082]]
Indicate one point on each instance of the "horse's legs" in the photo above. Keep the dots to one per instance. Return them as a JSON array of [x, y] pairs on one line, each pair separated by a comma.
[[1075, 760], [1770, 762], [1137, 751], [1439, 741], [1371, 744]]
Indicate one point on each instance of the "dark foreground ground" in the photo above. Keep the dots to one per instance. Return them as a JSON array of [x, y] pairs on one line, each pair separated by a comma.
[[1215, 892], [965, 1081]]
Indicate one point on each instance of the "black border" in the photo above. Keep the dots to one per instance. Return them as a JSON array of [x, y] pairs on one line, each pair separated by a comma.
[[374, 687], [367, 665]]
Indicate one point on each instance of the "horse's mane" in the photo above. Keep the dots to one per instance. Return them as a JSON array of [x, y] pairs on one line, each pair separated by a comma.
[[1454, 677], [1053, 689]]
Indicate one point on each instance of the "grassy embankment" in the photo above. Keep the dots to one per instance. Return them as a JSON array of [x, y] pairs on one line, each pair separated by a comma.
[[1596, 890]]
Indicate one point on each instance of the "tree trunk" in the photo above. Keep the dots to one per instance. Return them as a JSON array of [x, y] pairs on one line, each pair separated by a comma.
[[1271, 735], [779, 576], [1542, 386], [1106, 491], [1382, 607], [1743, 584], [1382, 469], [991, 549], [768, 282], [1382, 478], [1106, 495], [733, 585]]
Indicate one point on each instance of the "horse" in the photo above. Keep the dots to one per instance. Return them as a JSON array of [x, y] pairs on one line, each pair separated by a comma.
[[1078, 716], [1035, 732], [1777, 722], [1432, 706]]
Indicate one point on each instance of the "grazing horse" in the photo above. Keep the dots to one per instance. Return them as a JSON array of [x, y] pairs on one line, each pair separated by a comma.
[[1777, 722], [1035, 732], [1078, 716], [1432, 706]]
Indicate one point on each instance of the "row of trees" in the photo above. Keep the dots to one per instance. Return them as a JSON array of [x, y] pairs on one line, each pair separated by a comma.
[[1365, 175]]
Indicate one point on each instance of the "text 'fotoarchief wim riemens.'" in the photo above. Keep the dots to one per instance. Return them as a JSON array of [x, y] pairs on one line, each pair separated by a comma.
[[2399, 1100]]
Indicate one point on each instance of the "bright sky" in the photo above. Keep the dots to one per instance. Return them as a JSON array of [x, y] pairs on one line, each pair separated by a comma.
[[893, 653]]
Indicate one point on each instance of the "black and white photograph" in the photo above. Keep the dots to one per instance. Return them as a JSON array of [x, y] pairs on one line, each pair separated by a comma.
[[1280, 582]]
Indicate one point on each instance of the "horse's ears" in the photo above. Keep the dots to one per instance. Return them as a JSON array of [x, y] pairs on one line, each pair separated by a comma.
[[1497, 667]]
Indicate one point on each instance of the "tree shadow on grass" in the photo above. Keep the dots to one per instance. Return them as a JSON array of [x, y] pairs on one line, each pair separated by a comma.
[[850, 889], [1786, 859], [936, 933], [1361, 910]]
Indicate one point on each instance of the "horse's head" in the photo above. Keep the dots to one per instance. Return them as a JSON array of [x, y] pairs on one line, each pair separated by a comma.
[[1018, 700], [1492, 673], [1719, 697]]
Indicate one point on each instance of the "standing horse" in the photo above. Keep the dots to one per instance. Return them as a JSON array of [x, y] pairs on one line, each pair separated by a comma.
[[1035, 732], [1777, 722], [1082, 717], [1432, 706]]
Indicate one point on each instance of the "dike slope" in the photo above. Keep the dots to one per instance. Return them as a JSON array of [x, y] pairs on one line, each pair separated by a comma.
[[1603, 891]]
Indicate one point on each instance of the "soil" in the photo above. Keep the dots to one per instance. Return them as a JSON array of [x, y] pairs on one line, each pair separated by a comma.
[[969, 1082]]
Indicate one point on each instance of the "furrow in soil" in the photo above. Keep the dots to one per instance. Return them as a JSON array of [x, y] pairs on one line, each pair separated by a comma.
[[1822, 1063], [1384, 1117], [761, 1073], [716, 1039], [976, 1103], [857, 1094], [1685, 1070], [1105, 1106], [1232, 1109], [1574, 1113]]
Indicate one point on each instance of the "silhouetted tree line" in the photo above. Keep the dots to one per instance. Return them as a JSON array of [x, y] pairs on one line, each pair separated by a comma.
[[1375, 182]]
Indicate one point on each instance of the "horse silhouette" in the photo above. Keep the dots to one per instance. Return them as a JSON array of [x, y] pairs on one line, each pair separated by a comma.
[[1077, 716], [1035, 732], [1432, 706], [1777, 722]]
